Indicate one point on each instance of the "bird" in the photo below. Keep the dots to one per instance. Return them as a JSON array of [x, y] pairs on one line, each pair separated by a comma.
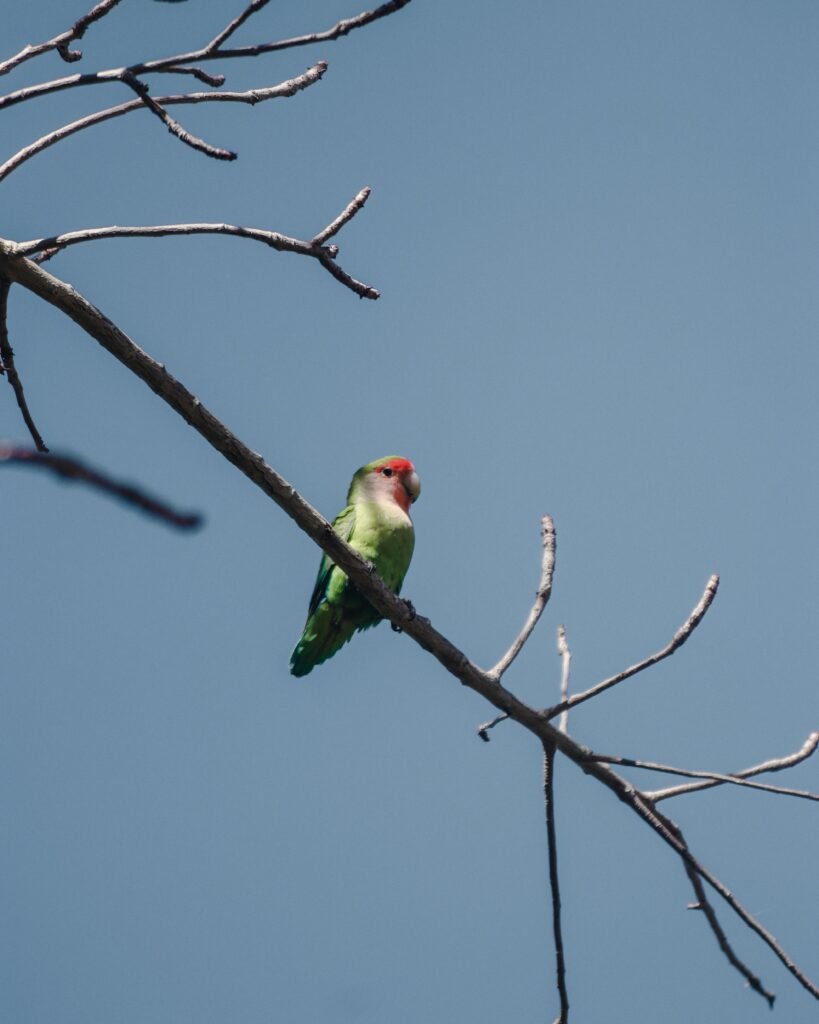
[[376, 523]]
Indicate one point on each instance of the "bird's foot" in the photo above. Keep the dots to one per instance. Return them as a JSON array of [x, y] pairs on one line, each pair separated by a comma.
[[410, 611], [371, 568]]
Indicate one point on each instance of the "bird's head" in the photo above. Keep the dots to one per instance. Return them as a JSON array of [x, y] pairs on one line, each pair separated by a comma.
[[389, 479]]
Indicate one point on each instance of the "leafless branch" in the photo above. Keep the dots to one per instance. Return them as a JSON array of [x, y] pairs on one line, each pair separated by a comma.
[[705, 905], [628, 762], [200, 73], [7, 366], [68, 468], [554, 886], [341, 28], [61, 42], [483, 730], [289, 87], [174, 127], [565, 653], [346, 214], [672, 835], [44, 248], [387, 604], [238, 21], [679, 638], [544, 590], [776, 765]]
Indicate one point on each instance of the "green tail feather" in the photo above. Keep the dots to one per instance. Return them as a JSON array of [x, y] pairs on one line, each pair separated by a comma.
[[326, 631]]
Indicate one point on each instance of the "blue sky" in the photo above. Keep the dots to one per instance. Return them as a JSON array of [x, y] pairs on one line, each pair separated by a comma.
[[594, 228]]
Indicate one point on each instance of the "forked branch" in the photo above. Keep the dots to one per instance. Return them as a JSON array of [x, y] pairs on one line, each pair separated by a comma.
[[679, 638], [285, 89], [205, 53], [41, 249], [62, 42]]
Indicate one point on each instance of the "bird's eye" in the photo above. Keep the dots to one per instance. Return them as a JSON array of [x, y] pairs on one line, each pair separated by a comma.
[[386, 471]]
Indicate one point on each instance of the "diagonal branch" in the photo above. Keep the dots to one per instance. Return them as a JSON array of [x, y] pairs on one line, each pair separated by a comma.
[[705, 905], [42, 249], [387, 604], [775, 765], [7, 366], [679, 638], [341, 28], [61, 42], [231, 27], [290, 87], [544, 590], [174, 127], [68, 468], [551, 833], [672, 835]]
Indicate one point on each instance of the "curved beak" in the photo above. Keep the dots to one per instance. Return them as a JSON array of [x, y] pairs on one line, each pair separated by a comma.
[[412, 485]]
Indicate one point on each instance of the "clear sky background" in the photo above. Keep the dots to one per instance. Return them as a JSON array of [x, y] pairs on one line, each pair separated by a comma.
[[594, 227]]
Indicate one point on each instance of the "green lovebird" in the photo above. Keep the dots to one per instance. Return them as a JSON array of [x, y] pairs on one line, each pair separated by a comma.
[[376, 523]]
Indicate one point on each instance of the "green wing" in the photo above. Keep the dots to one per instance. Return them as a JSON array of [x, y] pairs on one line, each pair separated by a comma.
[[344, 525]]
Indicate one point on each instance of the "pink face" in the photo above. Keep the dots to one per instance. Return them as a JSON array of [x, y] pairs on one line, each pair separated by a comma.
[[398, 477]]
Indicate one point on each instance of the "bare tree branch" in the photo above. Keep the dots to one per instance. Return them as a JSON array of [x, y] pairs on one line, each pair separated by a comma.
[[346, 214], [628, 762], [42, 249], [544, 590], [69, 468], [341, 28], [200, 73], [483, 730], [387, 604], [679, 638], [238, 21], [776, 765], [671, 834], [551, 832], [7, 366], [61, 42], [290, 87], [174, 127], [705, 905]]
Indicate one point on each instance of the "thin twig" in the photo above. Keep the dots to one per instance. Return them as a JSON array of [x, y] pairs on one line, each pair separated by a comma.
[[544, 590], [290, 87], [565, 653], [341, 28], [483, 730], [775, 765], [560, 956], [679, 638], [238, 21], [200, 73], [174, 127], [705, 905], [346, 214], [45, 248], [69, 468], [629, 762], [61, 42], [7, 366]]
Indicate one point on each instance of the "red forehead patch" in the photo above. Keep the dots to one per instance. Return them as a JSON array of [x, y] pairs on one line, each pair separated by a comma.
[[397, 465]]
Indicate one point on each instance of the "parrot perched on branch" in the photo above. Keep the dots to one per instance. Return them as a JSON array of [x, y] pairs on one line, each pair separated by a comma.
[[376, 523]]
